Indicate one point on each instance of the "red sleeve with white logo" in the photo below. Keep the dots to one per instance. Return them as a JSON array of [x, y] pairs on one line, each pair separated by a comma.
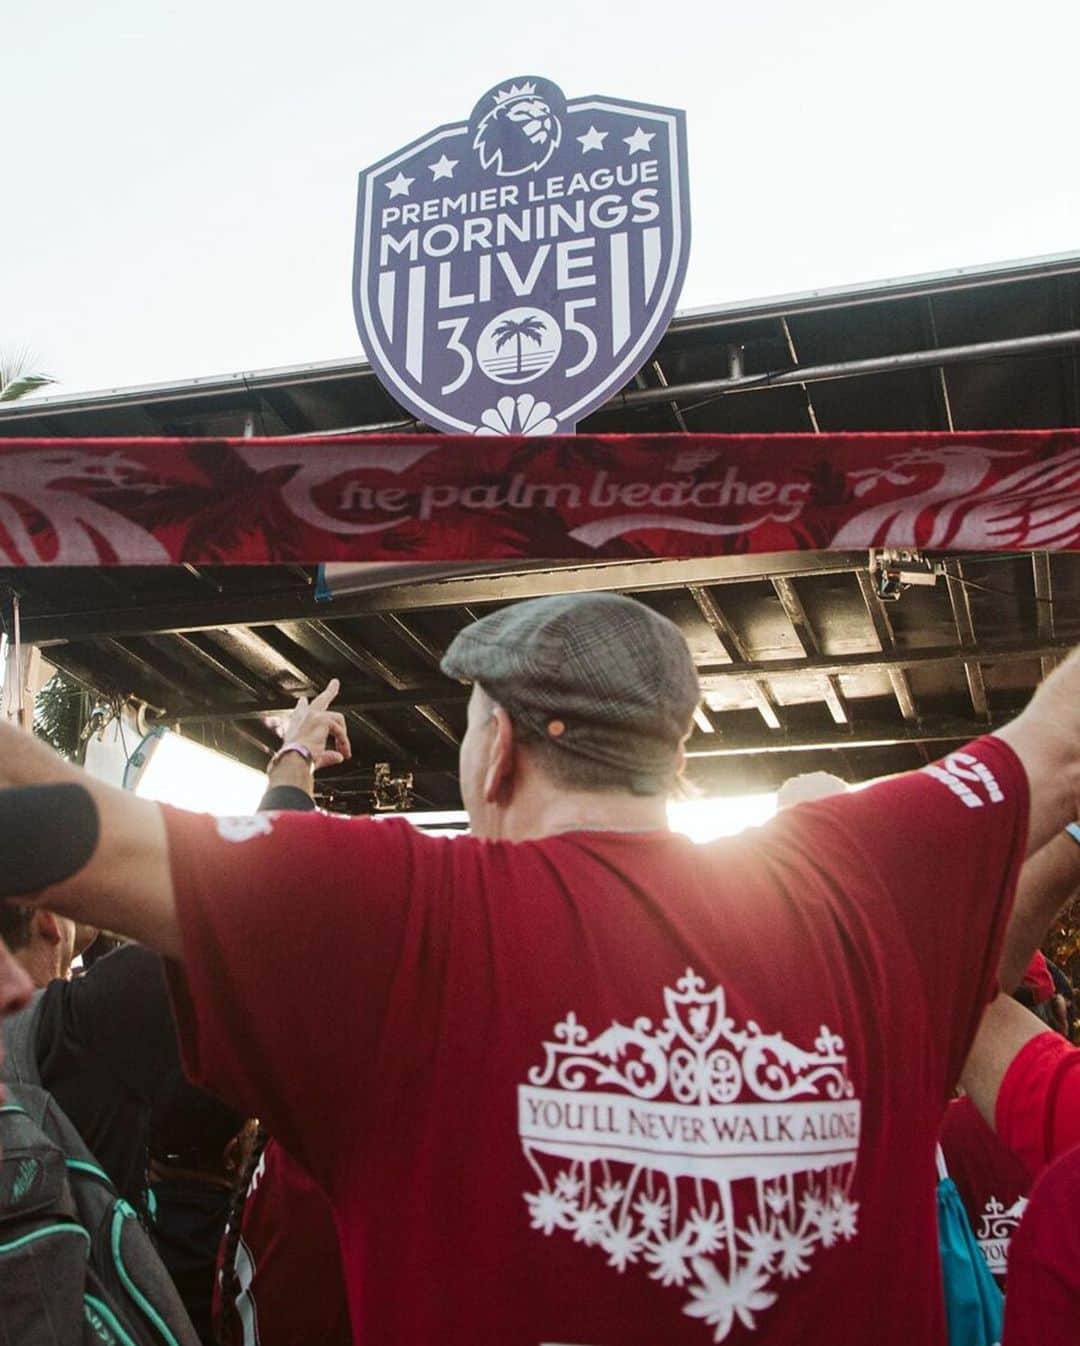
[[1038, 1105], [943, 846]]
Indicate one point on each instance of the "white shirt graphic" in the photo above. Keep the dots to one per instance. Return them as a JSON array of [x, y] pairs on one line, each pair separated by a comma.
[[997, 1225], [642, 1138]]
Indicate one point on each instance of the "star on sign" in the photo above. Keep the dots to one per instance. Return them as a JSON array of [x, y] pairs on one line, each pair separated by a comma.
[[640, 140], [443, 168], [592, 140], [400, 185]]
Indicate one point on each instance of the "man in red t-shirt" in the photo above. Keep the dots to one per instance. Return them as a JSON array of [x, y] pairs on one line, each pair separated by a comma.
[[573, 1079], [992, 1181], [286, 1263], [1025, 1079], [993, 1184]]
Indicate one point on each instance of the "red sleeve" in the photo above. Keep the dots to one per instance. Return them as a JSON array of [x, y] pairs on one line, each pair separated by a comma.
[[942, 847], [1038, 1105], [294, 927]]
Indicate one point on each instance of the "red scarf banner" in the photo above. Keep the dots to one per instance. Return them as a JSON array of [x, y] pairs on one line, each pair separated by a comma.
[[586, 497]]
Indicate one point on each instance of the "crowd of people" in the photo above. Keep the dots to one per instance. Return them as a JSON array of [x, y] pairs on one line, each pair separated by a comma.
[[569, 1078]]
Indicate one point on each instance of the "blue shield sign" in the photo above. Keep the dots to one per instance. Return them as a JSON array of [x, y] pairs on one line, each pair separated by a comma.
[[515, 270]]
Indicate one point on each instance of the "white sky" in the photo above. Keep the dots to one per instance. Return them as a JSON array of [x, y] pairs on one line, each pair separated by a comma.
[[179, 181]]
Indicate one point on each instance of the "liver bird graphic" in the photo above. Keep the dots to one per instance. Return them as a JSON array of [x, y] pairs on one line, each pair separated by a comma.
[[969, 504], [72, 527]]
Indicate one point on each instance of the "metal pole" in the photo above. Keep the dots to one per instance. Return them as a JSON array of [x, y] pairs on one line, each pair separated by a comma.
[[379, 428], [849, 369]]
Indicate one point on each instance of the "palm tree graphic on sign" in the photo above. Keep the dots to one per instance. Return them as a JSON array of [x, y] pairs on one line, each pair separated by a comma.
[[530, 328]]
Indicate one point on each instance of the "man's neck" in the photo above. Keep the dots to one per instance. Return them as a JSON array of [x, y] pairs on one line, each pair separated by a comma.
[[545, 814]]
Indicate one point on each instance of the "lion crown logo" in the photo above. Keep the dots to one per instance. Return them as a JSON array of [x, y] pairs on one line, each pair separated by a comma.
[[520, 133]]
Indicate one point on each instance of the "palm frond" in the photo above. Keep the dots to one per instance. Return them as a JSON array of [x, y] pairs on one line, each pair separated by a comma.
[[58, 714], [16, 388], [16, 380]]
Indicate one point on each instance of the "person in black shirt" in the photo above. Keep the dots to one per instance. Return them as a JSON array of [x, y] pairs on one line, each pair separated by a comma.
[[107, 1049], [105, 1041], [194, 1161]]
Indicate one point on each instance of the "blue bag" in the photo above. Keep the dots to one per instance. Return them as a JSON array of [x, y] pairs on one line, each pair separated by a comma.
[[974, 1306]]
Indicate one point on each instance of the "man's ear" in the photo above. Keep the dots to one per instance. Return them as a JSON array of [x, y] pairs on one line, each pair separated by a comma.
[[47, 927], [500, 764]]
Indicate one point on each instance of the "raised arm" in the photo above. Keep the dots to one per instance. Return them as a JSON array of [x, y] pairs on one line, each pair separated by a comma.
[[1046, 738], [1049, 880], [1025, 1080], [1006, 1028], [304, 736], [125, 883]]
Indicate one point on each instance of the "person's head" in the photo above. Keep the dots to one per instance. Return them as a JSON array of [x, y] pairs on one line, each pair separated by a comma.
[[806, 788], [42, 942], [573, 696]]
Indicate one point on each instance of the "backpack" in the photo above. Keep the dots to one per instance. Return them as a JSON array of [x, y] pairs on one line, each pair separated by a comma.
[[974, 1306], [76, 1266]]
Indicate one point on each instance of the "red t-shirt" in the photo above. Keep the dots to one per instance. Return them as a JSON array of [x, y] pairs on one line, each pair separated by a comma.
[[1037, 978], [1042, 1307], [1037, 1114], [291, 1288], [993, 1184], [613, 1089]]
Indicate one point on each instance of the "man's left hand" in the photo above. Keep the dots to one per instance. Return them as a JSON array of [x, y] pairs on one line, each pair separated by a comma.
[[314, 724]]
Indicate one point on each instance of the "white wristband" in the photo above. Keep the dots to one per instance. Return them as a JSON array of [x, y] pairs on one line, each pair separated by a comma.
[[300, 748]]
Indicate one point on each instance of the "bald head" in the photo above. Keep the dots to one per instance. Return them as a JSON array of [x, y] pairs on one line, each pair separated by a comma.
[[806, 788]]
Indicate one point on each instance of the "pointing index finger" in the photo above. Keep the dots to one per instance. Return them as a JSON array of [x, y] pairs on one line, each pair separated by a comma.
[[327, 695]]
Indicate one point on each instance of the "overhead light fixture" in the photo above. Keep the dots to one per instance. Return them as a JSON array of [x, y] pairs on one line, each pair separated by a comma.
[[894, 569], [183, 773]]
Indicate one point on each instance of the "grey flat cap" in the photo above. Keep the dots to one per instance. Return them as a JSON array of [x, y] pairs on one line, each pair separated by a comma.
[[600, 675]]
